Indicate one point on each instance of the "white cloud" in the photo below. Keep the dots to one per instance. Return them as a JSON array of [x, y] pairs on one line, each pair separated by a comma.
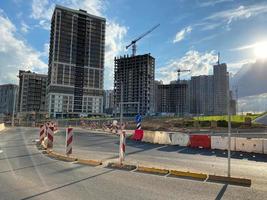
[[182, 33], [212, 2], [255, 103], [15, 54], [114, 46], [24, 27], [198, 63], [234, 67], [242, 12], [223, 19]]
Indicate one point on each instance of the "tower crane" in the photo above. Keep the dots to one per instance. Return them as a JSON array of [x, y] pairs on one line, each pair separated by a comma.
[[133, 43], [179, 73]]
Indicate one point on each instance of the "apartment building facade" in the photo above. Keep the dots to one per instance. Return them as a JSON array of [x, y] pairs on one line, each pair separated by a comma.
[[76, 63]]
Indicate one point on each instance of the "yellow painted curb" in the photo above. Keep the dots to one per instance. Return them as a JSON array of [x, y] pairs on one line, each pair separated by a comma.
[[60, 156], [231, 180], [189, 174], [89, 162], [152, 170]]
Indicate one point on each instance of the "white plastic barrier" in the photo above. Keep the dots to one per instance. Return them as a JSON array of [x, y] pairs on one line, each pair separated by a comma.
[[2, 126], [249, 145], [180, 139], [264, 146], [218, 142], [149, 136], [162, 137]]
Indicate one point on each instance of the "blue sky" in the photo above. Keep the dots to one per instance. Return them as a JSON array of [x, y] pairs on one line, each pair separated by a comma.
[[191, 33]]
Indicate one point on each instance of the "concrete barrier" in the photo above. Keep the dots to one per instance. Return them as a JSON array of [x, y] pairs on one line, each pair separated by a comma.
[[254, 145], [2, 126], [218, 142], [162, 137], [149, 136], [180, 139], [264, 144]]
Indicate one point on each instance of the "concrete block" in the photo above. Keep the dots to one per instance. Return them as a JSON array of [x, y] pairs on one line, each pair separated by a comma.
[[218, 142]]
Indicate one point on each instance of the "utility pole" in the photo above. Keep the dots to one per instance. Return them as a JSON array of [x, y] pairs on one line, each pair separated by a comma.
[[14, 104], [229, 133], [121, 106]]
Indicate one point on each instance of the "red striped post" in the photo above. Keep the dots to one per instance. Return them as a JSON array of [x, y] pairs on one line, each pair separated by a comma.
[[122, 144], [42, 133], [50, 136], [69, 139]]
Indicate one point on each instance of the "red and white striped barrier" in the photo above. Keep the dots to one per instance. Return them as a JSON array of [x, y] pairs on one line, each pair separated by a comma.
[[122, 144], [69, 140], [50, 136], [42, 133]]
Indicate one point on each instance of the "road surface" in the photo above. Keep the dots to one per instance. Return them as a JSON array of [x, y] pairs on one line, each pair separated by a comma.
[[261, 120], [26, 173]]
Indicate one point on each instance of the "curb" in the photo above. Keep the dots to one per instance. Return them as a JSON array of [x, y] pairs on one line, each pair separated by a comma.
[[230, 180], [89, 162], [121, 166], [192, 175], [60, 156], [152, 170]]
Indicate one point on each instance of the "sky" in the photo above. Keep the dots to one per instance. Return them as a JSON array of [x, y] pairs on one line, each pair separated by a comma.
[[190, 34]]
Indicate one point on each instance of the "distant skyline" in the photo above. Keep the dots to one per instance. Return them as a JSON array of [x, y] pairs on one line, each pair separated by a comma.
[[190, 33]]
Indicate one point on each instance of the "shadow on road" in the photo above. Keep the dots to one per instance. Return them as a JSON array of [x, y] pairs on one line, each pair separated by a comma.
[[221, 193], [66, 185]]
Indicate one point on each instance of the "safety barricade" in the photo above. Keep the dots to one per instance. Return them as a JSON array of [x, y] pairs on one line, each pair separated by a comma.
[[218, 142], [200, 141], [264, 143], [162, 137], [180, 139], [138, 135], [148, 136], [254, 145]]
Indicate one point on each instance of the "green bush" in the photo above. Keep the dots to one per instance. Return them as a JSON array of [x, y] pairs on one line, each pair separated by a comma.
[[205, 123], [222, 123]]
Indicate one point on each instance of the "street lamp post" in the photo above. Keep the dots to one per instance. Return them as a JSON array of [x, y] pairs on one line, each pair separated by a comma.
[[229, 134], [13, 111]]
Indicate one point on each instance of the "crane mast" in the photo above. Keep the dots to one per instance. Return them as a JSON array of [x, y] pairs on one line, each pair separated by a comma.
[[179, 73]]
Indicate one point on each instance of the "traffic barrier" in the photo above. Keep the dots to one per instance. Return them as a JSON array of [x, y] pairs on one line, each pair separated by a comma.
[[254, 145], [162, 137], [264, 146], [218, 142], [50, 136], [69, 140], [42, 133], [138, 135], [148, 136], [180, 139], [200, 141], [2, 126]]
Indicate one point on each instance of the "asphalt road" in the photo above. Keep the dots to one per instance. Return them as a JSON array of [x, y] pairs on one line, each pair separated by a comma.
[[261, 120], [25, 173]]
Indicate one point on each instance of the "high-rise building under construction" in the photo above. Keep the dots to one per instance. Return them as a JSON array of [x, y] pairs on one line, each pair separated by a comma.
[[76, 63], [134, 80]]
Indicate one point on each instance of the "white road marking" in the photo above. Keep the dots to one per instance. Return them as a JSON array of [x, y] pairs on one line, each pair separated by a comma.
[[1, 151]]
